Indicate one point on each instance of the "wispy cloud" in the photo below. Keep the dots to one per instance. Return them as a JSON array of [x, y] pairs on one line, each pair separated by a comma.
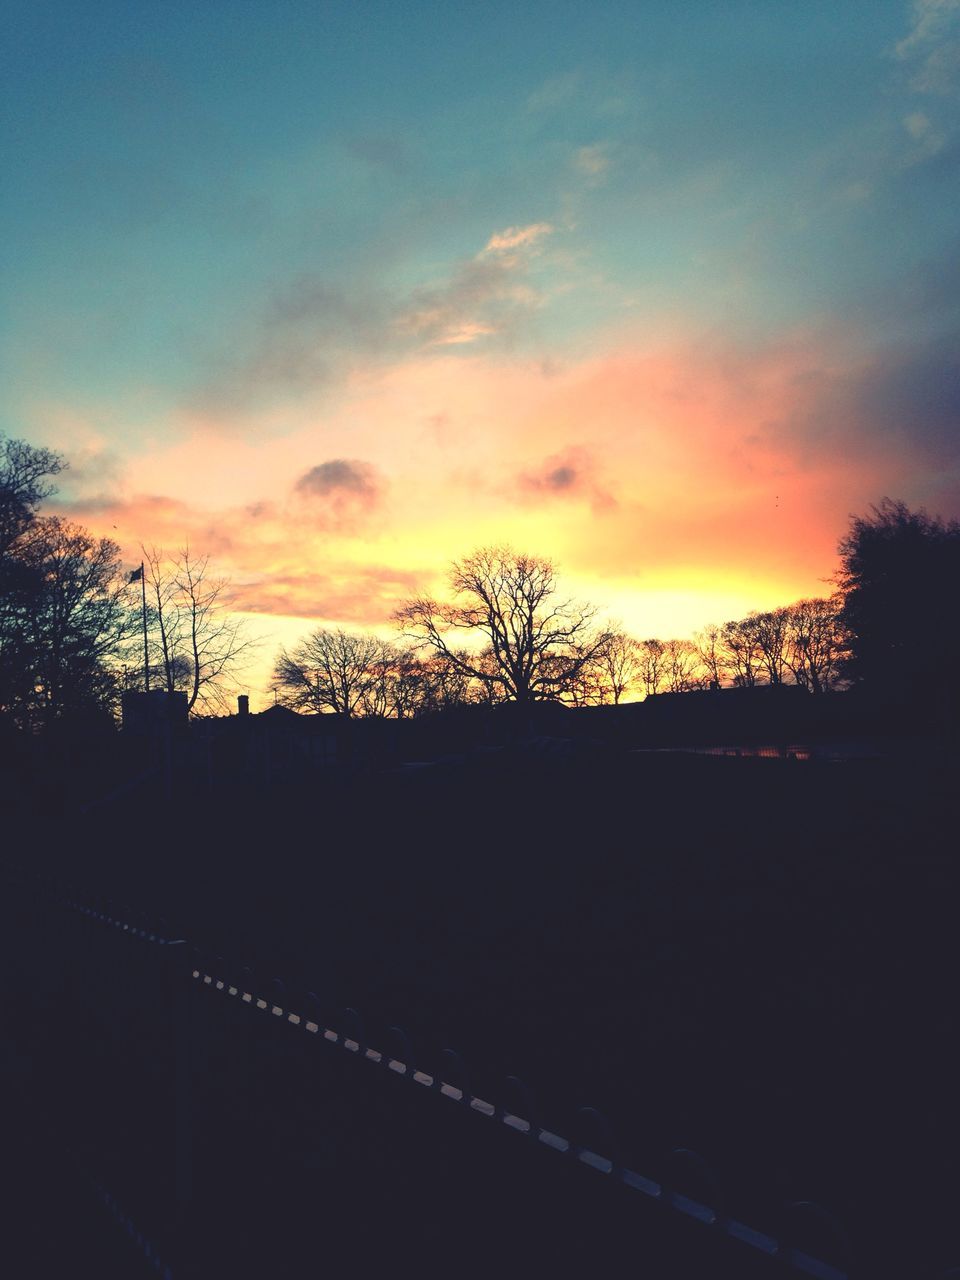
[[928, 138], [517, 237], [312, 333], [488, 294], [593, 161], [932, 46], [468, 332]]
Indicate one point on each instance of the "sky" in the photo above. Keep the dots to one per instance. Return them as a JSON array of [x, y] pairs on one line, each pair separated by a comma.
[[337, 292]]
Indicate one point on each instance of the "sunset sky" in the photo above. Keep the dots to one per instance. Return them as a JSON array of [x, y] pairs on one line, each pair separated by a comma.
[[339, 291]]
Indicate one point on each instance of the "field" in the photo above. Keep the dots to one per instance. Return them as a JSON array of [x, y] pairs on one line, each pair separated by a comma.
[[752, 958]]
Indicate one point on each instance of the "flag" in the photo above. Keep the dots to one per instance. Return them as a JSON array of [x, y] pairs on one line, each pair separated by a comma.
[[135, 576]]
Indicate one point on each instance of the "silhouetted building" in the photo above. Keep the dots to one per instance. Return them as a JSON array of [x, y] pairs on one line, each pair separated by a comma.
[[145, 714]]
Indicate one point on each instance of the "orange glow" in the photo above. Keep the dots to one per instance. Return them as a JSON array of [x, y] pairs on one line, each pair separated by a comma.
[[669, 483]]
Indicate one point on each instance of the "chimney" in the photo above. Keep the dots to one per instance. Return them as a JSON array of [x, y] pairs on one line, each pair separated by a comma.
[[243, 705]]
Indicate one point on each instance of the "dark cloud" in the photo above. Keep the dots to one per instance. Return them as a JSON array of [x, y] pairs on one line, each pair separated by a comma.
[[340, 493], [914, 394], [560, 478], [901, 403], [892, 395], [341, 476], [566, 475]]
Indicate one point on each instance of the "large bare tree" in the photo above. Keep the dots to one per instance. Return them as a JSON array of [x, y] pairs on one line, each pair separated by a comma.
[[536, 641]]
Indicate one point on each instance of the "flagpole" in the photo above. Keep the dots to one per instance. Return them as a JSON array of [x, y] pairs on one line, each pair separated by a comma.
[[146, 660]]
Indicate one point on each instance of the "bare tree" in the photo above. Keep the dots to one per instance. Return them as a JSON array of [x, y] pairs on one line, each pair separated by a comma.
[[416, 686], [680, 661], [446, 686], [587, 687], [404, 685], [771, 632], [536, 644], [387, 681], [652, 665], [333, 671], [483, 679], [196, 645], [816, 642], [709, 643], [742, 650], [619, 664]]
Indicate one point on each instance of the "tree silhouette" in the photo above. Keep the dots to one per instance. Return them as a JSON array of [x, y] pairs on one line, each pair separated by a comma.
[[65, 613], [535, 644], [23, 486], [619, 664], [195, 644], [713, 662], [680, 662], [741, 648], [815, 643], [65, 624], [332, 671], [653, 665], [899, 579]]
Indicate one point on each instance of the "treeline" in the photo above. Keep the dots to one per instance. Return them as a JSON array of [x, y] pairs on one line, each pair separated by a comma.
[[805, 644], [355, 674]]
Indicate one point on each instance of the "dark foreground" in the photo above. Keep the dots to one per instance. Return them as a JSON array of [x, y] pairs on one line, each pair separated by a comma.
[[754, 959]]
